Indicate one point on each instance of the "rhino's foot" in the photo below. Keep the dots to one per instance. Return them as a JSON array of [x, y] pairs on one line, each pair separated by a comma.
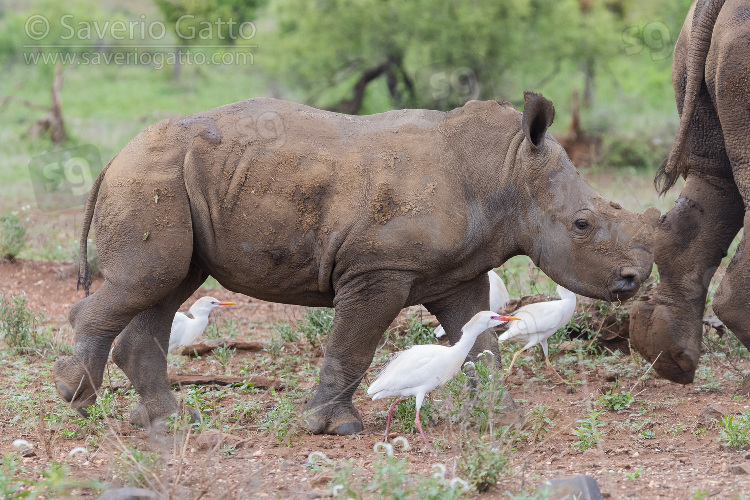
[[74, 384], [156, 419], [333, 418]]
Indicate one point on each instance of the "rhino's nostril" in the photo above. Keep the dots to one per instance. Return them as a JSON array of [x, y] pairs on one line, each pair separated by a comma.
[[629, 273]]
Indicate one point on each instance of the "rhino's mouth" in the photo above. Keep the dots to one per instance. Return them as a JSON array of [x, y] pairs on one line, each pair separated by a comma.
[[625, 284]]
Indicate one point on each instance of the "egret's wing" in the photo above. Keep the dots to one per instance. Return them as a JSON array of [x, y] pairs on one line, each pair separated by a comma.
[[439, 331], [413, 367], [533, 319], [499, 295], [179, 327]]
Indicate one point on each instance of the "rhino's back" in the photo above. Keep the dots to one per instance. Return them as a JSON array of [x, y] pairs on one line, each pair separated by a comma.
[[278, 191]]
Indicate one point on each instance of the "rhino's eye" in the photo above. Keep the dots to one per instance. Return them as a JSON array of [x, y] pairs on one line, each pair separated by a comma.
[[582, 224]]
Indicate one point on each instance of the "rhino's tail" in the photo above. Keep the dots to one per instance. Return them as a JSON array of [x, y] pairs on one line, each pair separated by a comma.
[[84, 271], [704, 18]]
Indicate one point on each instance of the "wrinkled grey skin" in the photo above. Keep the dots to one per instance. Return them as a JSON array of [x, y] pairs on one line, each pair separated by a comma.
[[367, 214], [711, 76]]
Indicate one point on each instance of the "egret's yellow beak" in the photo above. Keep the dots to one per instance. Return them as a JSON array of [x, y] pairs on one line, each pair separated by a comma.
[[225, 303], [505, 318]]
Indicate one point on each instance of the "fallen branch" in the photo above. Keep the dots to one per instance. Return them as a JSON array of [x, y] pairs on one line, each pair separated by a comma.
[[258, 381], [209, 345]]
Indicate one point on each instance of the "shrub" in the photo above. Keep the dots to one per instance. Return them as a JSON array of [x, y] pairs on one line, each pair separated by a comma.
[[19, 325], [12, 233]]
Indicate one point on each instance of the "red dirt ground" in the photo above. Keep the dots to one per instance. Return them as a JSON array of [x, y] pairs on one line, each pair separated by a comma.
[[681, 458]]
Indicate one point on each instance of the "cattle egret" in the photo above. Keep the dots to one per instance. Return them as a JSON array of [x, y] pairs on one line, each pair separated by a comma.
[[418, 370], [540, 321], [186, 330], [499, 296]]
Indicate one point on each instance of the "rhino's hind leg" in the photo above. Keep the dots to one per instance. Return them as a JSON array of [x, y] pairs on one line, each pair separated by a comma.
[[96, 321], [365, 307], [141, 352]]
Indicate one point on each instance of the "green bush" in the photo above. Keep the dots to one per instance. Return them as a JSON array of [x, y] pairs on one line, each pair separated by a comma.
[[482, 463], [12, 234], [18, 325]]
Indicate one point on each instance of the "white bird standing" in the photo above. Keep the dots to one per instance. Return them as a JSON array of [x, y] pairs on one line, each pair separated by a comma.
[[499, 296], [419, 369], [540, 321], [186, 330]]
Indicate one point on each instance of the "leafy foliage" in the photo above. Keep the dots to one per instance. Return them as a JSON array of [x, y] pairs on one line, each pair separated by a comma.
[[735, 430], [616, 401], [19, 325], [12, 234], [588, 432]]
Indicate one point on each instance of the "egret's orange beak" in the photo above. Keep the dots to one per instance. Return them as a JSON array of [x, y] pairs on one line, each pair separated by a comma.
[[225, 303], [505, 318]]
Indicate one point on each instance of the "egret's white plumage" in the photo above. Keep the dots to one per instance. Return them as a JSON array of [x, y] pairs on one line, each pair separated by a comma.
[[499, 296], [419, 369], [538, 322], [186, 330]]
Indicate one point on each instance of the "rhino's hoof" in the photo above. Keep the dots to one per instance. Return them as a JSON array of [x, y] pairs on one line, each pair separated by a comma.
[[73, 385], [348, 428], [342, 420], [316, 424], [140, 417]]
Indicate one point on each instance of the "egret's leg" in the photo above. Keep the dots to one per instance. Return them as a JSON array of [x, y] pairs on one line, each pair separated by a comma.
[[390, 415], [545, 349], [513, 361], [420, 398]]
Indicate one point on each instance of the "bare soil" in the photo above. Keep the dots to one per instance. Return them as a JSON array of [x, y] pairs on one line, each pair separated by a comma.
[[665, 445]]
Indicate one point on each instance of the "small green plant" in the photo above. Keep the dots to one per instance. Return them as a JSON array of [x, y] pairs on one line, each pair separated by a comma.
[[734, 431], [616, 401], [406, 413], [54, 482], [647, 434], [699, 494], [633, 475], [274, 346], [195, 397], [482, 463], [19, 326], [589, 431], [224, 355], [286, 331], [281, 421], [539, 421], [415, 333], [12, 234], [316, 324], [141, 469]]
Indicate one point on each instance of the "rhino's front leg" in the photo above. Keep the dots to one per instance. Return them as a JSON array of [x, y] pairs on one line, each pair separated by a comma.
[[455, 311], [365, 306], [691, 240]]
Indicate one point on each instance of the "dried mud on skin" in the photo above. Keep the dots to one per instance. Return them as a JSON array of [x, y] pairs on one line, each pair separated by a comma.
[[683, 457]]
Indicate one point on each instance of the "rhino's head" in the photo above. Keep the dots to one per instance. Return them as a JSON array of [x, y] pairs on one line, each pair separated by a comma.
[[587, 244]]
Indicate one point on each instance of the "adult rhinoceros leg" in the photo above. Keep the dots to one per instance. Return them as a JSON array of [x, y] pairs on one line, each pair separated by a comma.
[[691, 240], [141, 352], [732, 299], [365, 306]]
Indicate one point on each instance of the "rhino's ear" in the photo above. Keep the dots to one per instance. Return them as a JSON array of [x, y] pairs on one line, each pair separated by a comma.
[[538, 113]]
